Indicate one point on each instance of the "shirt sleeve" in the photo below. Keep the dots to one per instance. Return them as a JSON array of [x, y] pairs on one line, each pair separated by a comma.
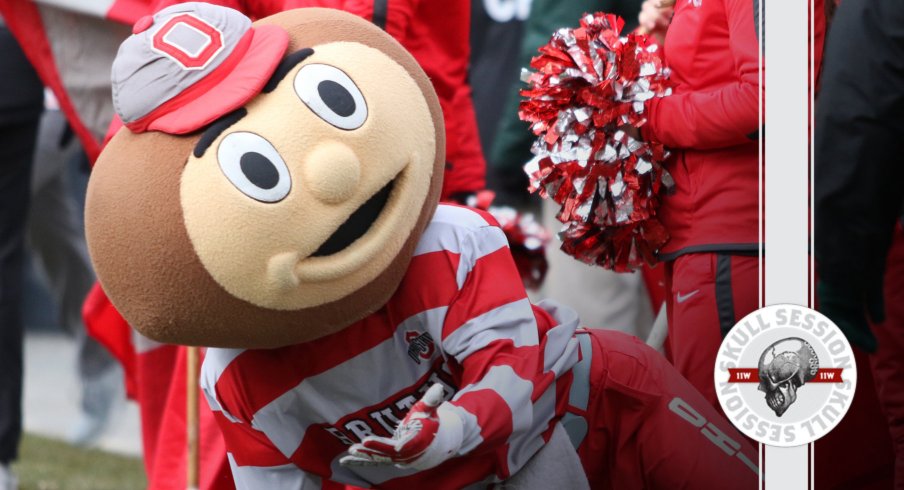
[[726, 116], [491, 337], [253, 459], [287, 477], [280, 477]]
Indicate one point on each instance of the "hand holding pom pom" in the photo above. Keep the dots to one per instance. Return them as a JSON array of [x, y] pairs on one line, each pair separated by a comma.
[[585, 103]]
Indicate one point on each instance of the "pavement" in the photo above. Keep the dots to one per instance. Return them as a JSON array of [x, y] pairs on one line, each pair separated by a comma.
[[51, 396]]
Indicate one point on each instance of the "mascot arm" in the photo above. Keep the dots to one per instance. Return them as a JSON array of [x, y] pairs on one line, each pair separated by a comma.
[[254, 460], [491, 330], [490, 336]]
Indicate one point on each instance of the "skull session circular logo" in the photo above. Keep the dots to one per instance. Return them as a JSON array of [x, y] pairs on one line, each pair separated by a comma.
[[785, 375]]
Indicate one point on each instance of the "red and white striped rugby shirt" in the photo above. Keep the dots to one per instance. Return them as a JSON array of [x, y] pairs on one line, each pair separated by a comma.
[[460, 317]]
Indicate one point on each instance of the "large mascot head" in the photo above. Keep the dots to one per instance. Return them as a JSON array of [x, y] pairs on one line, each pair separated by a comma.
[[272, 180]]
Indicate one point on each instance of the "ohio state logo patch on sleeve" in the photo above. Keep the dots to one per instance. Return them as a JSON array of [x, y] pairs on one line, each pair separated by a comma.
[[420, 345]]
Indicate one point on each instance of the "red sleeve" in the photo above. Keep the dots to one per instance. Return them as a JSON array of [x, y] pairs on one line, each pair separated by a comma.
[[393, 16], [256, 462], [818, 38], [491, 331], [723, 117], [399, 15], [233, 4], [254, 9], [248, 447]]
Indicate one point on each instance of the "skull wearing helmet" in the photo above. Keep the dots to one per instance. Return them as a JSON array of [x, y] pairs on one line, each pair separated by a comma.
[[784, 367]]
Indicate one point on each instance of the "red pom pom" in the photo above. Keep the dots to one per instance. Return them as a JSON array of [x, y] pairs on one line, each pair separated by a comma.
[[589, 86]]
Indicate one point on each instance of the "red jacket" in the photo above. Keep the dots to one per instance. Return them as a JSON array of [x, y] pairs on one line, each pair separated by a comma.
[[712, 123], [437, 34]]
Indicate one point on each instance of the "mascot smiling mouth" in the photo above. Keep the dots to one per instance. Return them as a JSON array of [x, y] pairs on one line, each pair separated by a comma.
[[358, 224]]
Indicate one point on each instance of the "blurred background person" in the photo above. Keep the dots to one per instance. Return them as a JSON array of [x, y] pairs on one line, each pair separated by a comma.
[[859, 143], [858, 199], [70, 53], [497, 34], [56, 243], [71, 49], [21, 103]]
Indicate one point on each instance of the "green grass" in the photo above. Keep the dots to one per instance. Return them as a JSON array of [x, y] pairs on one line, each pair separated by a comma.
[[48, 464]]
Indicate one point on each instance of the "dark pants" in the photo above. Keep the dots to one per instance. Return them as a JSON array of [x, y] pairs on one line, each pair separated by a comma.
[[56, 239], [21, 97], [16, 147]]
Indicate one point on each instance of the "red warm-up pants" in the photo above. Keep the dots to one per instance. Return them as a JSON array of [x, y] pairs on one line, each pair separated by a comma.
[[647, 427], [888, 360], [872, 446], [706, 294]]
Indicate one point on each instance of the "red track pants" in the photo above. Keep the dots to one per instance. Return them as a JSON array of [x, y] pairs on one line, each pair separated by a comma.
[[647, 427]]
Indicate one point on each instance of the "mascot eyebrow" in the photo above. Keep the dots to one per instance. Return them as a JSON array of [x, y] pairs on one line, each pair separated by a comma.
[[220, 125], [284, 67], [216, 128]]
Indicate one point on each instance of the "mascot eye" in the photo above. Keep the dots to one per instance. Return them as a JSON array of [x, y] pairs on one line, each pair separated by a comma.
[[332, 95], [254, 167]]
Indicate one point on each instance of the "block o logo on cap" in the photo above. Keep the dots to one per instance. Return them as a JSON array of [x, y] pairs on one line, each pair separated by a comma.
[[189, 41]]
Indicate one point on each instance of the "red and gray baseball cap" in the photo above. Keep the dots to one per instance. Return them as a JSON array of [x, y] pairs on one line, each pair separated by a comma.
[[190, 64]]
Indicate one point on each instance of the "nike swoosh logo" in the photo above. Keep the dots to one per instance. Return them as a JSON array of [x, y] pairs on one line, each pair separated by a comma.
[[682, 299]]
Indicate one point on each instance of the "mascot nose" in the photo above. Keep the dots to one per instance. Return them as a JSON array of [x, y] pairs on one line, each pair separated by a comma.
[[331, 172]]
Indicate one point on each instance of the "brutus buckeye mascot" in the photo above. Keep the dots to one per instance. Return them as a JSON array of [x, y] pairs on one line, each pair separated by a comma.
[[273, 197]]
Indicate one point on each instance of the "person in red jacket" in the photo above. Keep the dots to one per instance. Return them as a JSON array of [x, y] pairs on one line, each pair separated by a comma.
[[712, 123], [437, 35]]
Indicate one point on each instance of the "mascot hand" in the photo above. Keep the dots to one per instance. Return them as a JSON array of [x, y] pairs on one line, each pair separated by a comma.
[[427, 436]]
